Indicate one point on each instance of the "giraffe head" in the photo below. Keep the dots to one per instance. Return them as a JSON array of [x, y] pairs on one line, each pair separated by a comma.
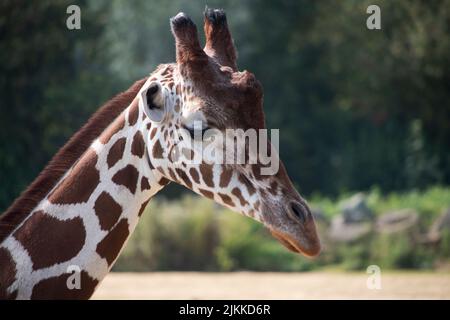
[[199, 109]]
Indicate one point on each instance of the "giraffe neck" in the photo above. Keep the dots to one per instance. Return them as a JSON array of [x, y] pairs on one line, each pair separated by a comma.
[[81, 225]]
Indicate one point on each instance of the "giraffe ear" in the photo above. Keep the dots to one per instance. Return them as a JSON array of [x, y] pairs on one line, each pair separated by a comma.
[[151, 99]]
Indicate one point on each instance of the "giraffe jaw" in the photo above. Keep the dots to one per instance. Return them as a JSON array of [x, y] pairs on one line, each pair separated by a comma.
[[311, 250]]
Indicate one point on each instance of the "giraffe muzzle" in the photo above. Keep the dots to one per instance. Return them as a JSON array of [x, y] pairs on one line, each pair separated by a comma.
[[298, 230]]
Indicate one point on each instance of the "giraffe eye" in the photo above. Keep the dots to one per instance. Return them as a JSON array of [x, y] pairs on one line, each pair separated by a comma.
[[196, 132]]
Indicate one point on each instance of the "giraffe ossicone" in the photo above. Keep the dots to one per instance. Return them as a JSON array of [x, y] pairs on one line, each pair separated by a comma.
[[175, 126]]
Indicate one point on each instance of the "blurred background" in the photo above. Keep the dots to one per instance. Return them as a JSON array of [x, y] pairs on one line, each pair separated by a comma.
[[364, 120]]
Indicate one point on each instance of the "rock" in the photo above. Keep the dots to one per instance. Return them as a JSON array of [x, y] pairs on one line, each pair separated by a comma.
[[397, 221], [341, 231], [439, 225], [355, 209]]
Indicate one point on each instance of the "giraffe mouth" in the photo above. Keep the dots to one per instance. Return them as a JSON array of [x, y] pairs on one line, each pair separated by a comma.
[[294, 227], [311, 250]]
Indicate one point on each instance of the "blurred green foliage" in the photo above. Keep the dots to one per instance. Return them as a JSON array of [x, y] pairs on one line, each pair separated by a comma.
[[173, 239], [429, 202], [356, 108], [194, 233], [51, 80]]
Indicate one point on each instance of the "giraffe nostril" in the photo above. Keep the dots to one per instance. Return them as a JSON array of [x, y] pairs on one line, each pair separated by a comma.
[[298, 212]]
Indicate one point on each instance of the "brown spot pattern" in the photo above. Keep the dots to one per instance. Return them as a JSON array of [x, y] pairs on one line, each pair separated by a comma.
[[256, 169], [226, 199], [184, 177], [49, 240], [107, 210], [137, 146], [65, 159], [111, 244], [194, 175], [153, 133], [127, 177], [163, 181], [13, 295], [238, 195], [7, 273], [141, 210], [144, 184], [133, 115], [116, 152], [206, 193], [172, 174], [225, 177], [157, 150], [78, 186], [56, 288], [207, 174]]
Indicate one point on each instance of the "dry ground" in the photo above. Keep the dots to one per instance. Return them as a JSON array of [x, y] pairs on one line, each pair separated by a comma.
[[254, 285]]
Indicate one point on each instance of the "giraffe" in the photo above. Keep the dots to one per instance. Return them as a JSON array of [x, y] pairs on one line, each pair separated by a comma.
[[76, 217]]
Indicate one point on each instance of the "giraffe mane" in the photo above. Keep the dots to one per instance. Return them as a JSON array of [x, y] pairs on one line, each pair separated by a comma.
[[65, 158]]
